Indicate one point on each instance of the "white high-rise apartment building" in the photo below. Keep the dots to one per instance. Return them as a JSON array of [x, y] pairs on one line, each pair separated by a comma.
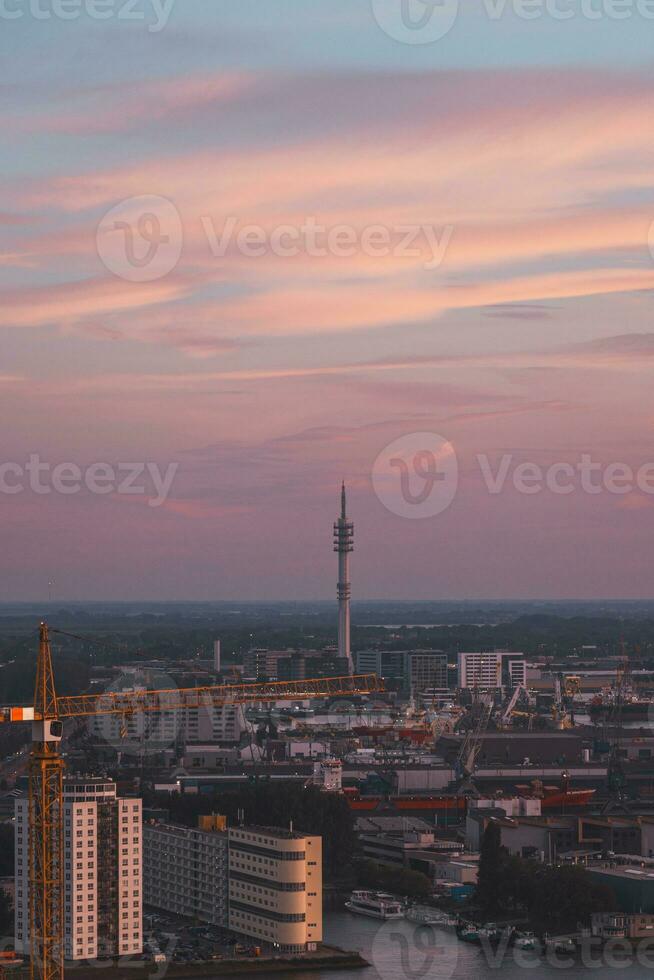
[[491, 670], [102, 871]]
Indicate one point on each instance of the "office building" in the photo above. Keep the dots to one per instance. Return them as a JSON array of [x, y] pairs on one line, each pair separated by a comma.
[[387, 664], [426, 673], [275, 887], [263, 665], [102, 871], [292, 665], [415, 672], [213, 723], [307, 664], [492, 670]]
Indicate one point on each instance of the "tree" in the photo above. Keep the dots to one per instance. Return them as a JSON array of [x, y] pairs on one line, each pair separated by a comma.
[[562, 897], [399, 881], [493, 859], [6, 914], [6, 850], [555, 898]]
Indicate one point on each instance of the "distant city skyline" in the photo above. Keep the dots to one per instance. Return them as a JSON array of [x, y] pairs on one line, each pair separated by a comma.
[[291, 329]]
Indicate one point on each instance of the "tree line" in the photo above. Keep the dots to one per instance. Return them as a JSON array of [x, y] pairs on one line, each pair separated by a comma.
[[555, 898]]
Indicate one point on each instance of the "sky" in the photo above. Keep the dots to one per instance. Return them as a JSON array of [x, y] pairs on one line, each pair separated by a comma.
[[249, 250]]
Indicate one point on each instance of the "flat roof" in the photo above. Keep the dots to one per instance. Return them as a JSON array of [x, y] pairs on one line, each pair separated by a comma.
[[627, 873], [180, 830], [273, 832]]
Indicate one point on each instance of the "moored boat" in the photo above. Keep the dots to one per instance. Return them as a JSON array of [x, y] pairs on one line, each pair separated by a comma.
[[375, 905], [564, 944], [421, 915]]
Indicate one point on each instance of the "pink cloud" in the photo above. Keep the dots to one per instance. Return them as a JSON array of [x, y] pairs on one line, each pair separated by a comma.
[[551, 172]]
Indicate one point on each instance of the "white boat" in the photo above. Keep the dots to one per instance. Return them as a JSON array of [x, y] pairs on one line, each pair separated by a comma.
[[562, 945], [527, 940], [376, 905], [430, 917]]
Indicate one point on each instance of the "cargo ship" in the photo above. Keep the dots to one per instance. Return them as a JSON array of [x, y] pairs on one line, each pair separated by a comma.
[[455, 805], [418, 734], [454, 808], [557, 799]]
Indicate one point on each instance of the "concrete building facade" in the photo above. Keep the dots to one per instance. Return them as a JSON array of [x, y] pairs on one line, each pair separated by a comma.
[[185, 870], [103, 895], [426, 673], [416, 672], [622, 925], [275, 887], [488, 671], [264, 884]]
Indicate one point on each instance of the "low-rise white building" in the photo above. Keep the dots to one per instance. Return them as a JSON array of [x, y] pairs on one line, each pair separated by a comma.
[[480, 810]]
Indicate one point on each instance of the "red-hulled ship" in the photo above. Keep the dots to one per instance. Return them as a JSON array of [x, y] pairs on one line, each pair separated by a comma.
[[418, 734], [553, 798]]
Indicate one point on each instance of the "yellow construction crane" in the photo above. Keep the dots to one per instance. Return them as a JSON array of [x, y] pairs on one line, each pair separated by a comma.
[[47, 767]]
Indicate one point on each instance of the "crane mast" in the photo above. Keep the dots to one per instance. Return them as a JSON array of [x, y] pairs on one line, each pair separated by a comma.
[[466, 761], [46, 825]]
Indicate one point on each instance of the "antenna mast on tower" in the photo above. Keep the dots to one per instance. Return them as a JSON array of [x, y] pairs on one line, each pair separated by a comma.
[[344, 546]]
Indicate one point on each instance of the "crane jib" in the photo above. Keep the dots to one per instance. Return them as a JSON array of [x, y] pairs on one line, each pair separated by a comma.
[[120, 702]]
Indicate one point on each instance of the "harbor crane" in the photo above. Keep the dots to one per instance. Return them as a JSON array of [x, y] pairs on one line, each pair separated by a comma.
[[466, 761], [46, 771], [617, 799]]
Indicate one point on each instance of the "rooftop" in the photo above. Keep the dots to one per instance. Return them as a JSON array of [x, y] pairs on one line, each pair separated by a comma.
[[278, 832], [627, 873]]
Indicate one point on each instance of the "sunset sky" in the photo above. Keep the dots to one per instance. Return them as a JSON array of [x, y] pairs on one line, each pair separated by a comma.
[[525, 146]]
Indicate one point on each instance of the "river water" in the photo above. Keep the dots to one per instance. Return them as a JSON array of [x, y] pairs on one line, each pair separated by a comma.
[[400, 950]]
